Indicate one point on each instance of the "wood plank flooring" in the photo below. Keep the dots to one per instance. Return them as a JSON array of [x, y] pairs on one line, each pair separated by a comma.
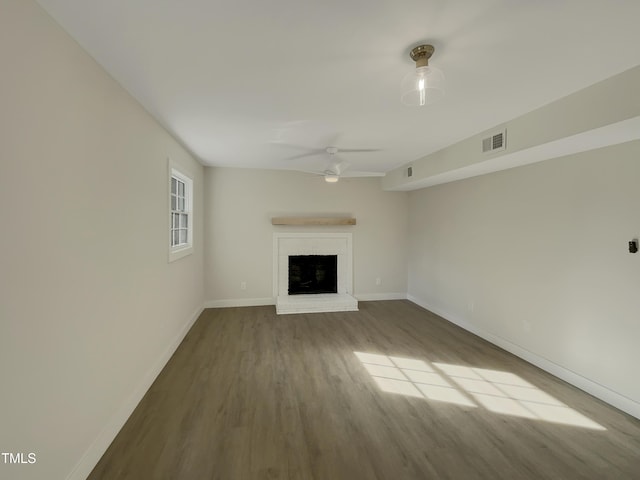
[[252, 395]]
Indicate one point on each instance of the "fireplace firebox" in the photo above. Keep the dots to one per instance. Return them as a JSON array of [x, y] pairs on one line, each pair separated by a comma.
[[313, 274]]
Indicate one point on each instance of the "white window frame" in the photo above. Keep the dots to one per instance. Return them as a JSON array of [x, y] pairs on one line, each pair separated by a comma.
[[179, 211]]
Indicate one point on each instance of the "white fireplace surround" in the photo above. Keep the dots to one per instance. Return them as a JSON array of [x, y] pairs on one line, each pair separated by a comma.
[[287, 244]]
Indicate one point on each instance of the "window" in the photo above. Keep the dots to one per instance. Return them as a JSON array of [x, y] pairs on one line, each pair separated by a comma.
[[181, 218]]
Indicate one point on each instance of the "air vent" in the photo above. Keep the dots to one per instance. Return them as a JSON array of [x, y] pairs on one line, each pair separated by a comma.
[[495, 142]]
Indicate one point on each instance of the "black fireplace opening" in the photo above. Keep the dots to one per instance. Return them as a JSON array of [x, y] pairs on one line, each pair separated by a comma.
[[309, 274]]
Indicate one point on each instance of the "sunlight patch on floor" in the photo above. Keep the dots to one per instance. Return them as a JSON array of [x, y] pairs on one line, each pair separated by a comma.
[[499, 392]]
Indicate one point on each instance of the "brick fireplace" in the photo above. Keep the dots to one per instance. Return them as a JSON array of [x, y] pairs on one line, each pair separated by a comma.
[[287, 245]]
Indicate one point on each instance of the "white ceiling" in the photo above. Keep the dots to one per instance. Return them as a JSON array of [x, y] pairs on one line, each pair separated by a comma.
[[236, 80]]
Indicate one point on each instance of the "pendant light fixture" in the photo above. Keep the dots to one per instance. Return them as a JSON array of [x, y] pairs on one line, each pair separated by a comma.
[[425, 84]]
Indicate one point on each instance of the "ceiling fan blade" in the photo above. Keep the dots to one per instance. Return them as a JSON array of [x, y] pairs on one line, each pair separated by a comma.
[[354, 174], [333, 173], [356, 150], [304, 155], [309, 172]]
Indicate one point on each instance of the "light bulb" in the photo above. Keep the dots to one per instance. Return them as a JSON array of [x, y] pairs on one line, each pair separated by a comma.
[[423, 95]]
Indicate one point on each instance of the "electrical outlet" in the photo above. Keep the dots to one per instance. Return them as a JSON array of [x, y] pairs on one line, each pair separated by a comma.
[[243, 285], [378, 281]]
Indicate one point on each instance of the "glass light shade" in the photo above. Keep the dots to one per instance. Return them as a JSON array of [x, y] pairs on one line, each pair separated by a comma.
[[331, 178], [423, 86]]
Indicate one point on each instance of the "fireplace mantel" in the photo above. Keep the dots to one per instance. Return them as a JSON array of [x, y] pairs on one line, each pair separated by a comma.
[[313, 221]]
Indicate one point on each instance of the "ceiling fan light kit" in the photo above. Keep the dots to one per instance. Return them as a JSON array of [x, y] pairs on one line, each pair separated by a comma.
[[425, 84], [331, 178]]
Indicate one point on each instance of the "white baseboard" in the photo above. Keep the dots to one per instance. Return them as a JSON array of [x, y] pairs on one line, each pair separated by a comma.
[[95, 451], [371, 297], [240, 302], [605, 394]]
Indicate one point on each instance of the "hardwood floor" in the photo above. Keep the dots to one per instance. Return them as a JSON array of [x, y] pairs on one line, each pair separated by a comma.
[[252, 395]]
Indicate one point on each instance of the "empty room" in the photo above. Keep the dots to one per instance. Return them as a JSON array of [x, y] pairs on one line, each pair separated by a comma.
[[319, 240]]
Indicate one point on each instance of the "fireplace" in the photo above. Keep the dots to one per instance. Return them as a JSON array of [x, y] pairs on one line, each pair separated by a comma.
[[312, 272]]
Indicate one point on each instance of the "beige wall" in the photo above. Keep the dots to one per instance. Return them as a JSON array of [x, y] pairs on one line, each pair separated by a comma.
[[536, 258], [239, 204], [89, 305]]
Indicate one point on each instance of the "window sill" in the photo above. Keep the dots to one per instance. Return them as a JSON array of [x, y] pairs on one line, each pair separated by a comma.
[[178, 253]]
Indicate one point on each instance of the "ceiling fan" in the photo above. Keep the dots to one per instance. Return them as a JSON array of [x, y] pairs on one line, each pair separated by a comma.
[[336, 167]]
